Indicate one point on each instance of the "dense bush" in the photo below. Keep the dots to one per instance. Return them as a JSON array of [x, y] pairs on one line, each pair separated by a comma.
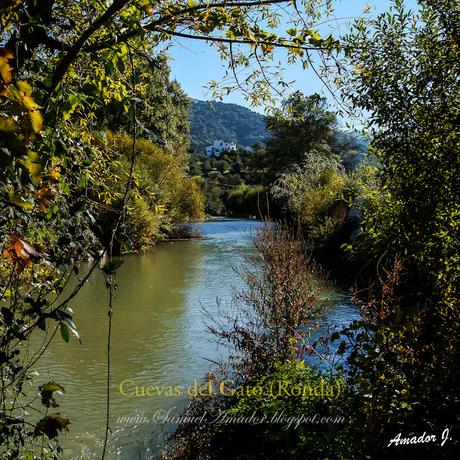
[[163, 196], [144, 226], [247, 200], [311, 192], [273, 439]]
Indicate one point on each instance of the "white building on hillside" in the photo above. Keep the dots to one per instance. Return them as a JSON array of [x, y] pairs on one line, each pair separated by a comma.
[[220, 146]]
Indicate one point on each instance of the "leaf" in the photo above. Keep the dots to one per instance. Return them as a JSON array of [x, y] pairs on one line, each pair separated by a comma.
[[45, 196], [51, 425], [25, 96], [315, 36], [46, 393], [8, 125], [342, 347], [6, 315], [112, 266], [65, 333], [54, 174], [149, 9], [33, 164], [266, 48], [71, 325], [16, 253], [70, 106], [52, 386], [335, 336], [5, 69], [36, 120], [18, 201], [82, 181]]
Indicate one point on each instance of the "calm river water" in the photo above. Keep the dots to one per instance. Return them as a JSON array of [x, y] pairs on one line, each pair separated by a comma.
[[158, 338]]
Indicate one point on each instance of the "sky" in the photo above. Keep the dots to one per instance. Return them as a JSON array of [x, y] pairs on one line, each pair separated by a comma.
[[194, 63]]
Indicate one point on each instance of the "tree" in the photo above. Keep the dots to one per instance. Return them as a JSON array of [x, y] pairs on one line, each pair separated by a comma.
[[61, 35], [404, 71], [301, 124], [162, 197], [407, 76], [162, 112], [312, 191]]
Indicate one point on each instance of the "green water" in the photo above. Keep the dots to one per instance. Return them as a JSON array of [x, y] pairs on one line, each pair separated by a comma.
[[158, 338]]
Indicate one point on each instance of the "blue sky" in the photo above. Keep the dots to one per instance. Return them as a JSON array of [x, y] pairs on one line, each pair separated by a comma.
[[194, 63]]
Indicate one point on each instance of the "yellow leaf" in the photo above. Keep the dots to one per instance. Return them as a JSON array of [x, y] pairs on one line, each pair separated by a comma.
[[36, 120], [8, 125], [266, 48], [149, 9], [54, 173], [18, 201], [45, 195], [33, 164], [25, 96], [5, 68], [24, 88]]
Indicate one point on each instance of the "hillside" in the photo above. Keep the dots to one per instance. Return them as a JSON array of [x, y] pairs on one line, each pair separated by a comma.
[[229, 122]]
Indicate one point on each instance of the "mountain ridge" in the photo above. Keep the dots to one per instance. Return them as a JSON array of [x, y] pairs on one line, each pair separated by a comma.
[[229, 122]]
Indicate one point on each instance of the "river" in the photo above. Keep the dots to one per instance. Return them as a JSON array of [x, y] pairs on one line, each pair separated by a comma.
[[158, 338]]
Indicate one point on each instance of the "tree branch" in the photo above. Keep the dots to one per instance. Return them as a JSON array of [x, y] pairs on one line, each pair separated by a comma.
[[242, 41], [72, 53], [165, 19]]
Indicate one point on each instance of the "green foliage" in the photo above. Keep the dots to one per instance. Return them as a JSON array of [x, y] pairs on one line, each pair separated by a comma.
[[229, 122], [276, 440], [378, 208], [303, 125], [233, 183], [189, 200], [416, 136], [296, 128], [405, 356], [162, 196], [144, 224], [56, 176], [313, 191], [273, 424], [213, 198], [247, 199], [162, 113]]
